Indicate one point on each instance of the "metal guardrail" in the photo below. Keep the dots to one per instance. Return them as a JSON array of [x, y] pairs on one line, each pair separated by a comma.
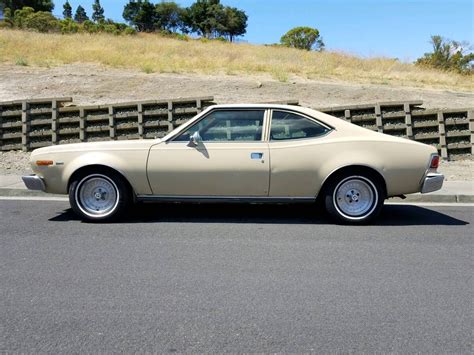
[[30, 124]]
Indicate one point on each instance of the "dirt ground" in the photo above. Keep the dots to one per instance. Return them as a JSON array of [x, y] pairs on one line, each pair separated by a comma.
[[92, 84]]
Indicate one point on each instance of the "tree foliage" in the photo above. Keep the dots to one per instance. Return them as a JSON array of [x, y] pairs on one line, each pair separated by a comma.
[[207, 18], [67, 10], [43, 21], [448, 55], [80, 15], [21, 16], [235, 22], [37, 5], [168, 16], [97, 11], [303, 38], [141, 14]]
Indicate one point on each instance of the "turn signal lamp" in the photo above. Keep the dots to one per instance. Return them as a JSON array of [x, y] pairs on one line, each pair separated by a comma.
[[44, 162]]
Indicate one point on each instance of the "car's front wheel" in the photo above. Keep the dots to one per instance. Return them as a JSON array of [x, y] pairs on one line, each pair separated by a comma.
[[354, 198], [99, 196]]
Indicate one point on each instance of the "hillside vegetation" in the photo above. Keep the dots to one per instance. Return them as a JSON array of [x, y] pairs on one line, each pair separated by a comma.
[[153, 53]]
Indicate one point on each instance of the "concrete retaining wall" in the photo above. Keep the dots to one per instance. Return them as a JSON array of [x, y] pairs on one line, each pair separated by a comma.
[[30, 124]]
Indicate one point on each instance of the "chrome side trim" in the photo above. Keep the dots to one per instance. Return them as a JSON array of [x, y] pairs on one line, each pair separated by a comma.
[[34, 182], [224, 199], [433, 182]]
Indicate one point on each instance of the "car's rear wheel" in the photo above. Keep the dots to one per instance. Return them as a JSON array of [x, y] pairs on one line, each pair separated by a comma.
[[354, 199], [99, 196]]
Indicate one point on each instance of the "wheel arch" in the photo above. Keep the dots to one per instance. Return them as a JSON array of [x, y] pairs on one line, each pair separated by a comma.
[[99, 168], [354, 169]]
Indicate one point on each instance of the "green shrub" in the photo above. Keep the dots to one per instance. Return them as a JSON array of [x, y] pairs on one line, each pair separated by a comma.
[[448, 55], [220, 39], [68, 26], [21, 62], [303, 38], [20, 16], [41, 21], [129, 31], [5, 24], [90, 27]]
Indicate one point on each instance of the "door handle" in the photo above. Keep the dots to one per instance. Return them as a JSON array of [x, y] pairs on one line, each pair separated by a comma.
[[256, 156]]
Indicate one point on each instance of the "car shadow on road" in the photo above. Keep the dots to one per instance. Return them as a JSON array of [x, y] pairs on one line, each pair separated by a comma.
[[392, 215]]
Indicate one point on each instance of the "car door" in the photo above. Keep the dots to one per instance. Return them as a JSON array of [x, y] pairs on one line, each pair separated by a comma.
[[297, 150], [229, 160]]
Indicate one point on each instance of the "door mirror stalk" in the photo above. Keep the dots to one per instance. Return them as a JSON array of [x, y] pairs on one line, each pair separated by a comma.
[[195, 139]]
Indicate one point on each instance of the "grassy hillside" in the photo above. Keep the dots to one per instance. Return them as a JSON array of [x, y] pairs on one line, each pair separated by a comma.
[[152, 53]]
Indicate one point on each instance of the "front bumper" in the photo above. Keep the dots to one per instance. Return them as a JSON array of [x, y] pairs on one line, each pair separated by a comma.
[[433, 182], [34, 182]]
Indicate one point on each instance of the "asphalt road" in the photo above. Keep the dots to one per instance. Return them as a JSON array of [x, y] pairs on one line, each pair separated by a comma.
[[235, 279]]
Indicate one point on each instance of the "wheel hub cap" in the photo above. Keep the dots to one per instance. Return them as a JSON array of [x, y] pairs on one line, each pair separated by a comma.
[[354, 197], [97, 196]]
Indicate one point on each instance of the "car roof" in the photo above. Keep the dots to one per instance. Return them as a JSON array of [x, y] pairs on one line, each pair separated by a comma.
[[301, 109], [264, 106]]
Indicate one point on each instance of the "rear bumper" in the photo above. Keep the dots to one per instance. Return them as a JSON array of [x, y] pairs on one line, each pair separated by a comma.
[[433, 182], [34, 182]]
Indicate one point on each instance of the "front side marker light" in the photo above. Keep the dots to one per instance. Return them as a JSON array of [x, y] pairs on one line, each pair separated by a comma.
[[44, 162]]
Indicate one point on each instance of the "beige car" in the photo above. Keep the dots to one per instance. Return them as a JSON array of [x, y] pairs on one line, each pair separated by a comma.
[[242, 153]]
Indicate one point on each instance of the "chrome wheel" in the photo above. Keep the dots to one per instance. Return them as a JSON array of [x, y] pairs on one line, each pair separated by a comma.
[[355, 197], [97, 196]]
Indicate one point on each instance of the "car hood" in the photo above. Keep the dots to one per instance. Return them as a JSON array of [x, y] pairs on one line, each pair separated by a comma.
[[98, 146]]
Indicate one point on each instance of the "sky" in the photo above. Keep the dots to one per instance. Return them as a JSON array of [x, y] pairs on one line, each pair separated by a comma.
[[397, 29]]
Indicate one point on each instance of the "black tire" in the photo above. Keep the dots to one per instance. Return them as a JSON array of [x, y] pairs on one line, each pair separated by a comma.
[[354, 198], [99, 196]]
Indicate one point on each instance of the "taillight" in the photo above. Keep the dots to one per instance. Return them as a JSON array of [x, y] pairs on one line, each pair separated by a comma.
[[434, 162]]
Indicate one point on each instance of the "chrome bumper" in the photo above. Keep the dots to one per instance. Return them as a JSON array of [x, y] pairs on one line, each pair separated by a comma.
[[34, 182], [433, 182]]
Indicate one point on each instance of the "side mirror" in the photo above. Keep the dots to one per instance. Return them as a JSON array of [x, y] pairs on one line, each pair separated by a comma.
[[195, 139]]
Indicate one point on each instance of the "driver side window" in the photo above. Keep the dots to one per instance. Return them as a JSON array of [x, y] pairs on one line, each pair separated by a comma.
[[227, 125]]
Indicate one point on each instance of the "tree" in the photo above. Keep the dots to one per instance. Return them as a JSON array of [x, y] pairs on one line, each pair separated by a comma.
[[235, 22], [67, 10], [448, 55], [80, 15], [98, 11], [303, 38], [206, 17], [140, 14], [168, 16], [37, 5]]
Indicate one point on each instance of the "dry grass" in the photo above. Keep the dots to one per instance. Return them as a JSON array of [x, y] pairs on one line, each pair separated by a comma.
[[152, 53]]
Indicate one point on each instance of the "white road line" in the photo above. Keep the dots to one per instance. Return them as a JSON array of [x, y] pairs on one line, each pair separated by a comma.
[[33, 198], [433, 204], [65, 199]]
